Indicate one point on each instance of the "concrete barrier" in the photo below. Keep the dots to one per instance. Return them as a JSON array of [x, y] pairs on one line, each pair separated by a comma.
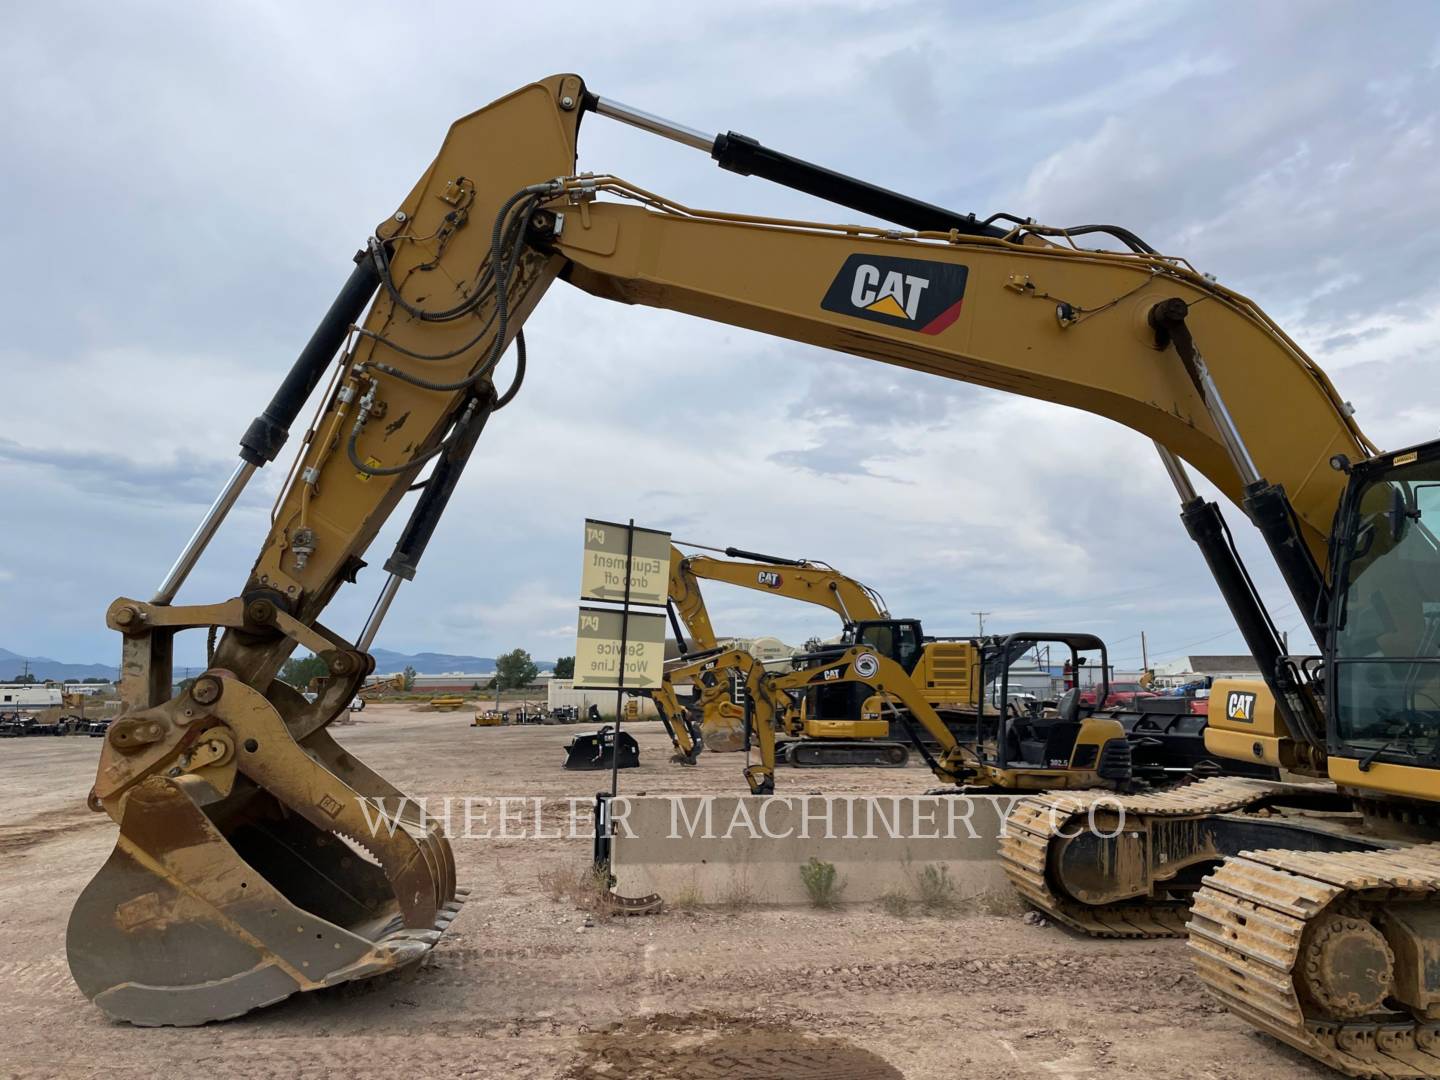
[[734, 849]]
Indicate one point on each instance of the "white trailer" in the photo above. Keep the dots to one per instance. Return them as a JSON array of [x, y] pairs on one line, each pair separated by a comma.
[[27, 697]]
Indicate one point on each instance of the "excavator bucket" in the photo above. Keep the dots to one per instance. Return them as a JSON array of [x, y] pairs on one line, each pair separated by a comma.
[[723, 729], [595, 750], [227, 891]]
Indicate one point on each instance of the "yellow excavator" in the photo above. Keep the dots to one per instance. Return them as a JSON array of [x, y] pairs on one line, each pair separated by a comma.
[[714, 719], [246, 868], [831, 727], [1005, 749]]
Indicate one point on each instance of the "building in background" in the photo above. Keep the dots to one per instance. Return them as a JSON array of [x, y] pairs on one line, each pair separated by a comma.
[[561, 692], [1188, 669]]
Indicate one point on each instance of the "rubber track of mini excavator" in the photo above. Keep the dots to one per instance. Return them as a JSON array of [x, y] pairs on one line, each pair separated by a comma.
[[1037, 821], [1247, 930]]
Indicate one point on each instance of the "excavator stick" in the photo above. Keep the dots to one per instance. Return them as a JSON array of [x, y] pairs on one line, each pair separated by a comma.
[[255, 856]]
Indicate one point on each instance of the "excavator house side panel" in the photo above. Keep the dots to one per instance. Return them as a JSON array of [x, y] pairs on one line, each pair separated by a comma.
[[1242, 724]]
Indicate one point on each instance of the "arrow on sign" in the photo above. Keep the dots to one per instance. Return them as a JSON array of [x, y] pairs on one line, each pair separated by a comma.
[[619, 594]]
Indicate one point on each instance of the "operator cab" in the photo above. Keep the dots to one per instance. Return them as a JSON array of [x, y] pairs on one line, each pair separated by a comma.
[[1383, 648], [902, 640], [1016, 734]]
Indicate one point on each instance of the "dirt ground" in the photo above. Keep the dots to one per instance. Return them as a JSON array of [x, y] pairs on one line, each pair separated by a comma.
[[522, 987]]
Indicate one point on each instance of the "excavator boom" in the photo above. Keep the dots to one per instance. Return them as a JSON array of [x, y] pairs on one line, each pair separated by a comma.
[[795, 579]]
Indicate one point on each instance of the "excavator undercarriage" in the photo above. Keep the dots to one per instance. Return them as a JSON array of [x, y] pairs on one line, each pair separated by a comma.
[[1333, 953], [1302, 918], [1114, 865]]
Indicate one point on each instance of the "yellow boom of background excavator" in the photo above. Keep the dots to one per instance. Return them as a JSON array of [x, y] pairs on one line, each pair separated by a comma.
[[714, 720], [244, 869]]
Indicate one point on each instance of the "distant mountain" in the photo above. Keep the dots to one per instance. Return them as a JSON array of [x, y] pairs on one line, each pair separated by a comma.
[[12, 665], [386, 661]]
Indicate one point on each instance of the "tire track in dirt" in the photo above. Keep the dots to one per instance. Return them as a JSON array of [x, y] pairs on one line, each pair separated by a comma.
[[707, 1046], [25, 834]]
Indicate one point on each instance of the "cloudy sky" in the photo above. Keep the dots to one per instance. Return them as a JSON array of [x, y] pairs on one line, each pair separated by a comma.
[[188, 181]]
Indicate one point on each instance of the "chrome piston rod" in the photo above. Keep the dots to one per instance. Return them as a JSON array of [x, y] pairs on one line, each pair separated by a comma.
[[377, 614], [1178, 476], [1225, 424], [202, 536], [656, 125]]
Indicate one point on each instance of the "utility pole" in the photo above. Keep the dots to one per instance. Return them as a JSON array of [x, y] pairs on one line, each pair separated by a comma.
[[980, 617], [1144, 656]]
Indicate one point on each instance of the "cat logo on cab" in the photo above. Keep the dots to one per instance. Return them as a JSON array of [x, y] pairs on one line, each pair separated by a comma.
[[916, 294]]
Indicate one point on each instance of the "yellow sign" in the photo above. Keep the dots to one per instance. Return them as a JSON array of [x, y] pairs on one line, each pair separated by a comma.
[[597, 649], [603, 576]]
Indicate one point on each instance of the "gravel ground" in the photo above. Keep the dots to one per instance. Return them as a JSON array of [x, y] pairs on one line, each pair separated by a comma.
[[526, 986]]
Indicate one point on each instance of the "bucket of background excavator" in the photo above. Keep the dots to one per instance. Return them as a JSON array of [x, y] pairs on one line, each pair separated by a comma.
[[594, 750], [724, 732], [211, 906]]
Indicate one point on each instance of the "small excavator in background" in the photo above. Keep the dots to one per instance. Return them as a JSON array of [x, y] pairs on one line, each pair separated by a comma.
[[837, 723], [1007, 741], [1004, 748], [1313, 908]]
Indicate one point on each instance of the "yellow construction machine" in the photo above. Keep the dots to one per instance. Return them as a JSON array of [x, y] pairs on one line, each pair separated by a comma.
[[378, 687], [934, 698], [1003, 748], [245, 869], [837, 724]]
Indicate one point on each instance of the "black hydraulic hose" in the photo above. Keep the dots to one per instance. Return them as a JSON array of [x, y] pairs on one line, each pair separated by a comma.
[[465, 383], [395, 470], [1125, 236], [1119, 232], [382, 266], [484, 289], [405, 351], [509, 395], [502, 267]]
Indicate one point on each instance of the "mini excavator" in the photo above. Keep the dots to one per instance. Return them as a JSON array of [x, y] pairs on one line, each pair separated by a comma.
[[838, 724]]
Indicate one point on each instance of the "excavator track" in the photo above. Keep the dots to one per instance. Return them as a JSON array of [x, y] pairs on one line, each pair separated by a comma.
[[649, 904], [838, 753], [1037, 822], [1264, 929]]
